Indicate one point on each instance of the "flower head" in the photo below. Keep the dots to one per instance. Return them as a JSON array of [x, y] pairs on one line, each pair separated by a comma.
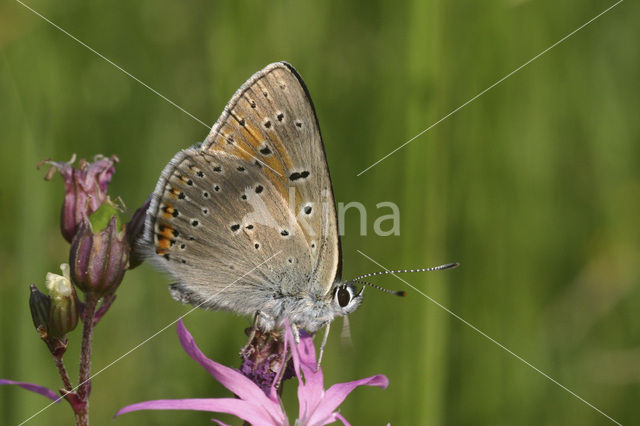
[[85, 189], [263, 358], [59, 286], [253, 405], [319, 406]]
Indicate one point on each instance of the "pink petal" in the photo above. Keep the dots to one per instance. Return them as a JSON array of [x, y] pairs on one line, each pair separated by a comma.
[[244, 410], [33, 388], [230, 378], [336, 394], [219, 422], [102, 169], [343, 420], [311, 390], [313, 380]]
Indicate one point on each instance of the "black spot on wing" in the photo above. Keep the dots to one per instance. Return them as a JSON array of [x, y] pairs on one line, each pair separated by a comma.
[[298, 175]]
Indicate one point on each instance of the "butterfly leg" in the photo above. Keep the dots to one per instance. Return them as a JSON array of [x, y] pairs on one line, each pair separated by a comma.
[[252, 334], [296, 333], [259, 318], [323, 344]]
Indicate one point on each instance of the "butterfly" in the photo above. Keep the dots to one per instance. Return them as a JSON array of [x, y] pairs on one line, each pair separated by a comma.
[[246, 220]]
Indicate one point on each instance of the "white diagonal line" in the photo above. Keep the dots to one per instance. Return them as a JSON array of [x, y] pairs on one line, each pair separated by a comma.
[[135, 78], [492, 86], [482, 333], [150, 337]]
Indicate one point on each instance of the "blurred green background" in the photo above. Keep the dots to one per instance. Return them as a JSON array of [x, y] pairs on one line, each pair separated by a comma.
[[534, 188]]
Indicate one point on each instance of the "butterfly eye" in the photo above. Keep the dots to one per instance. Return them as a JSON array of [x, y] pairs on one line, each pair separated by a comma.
[[343, 296]]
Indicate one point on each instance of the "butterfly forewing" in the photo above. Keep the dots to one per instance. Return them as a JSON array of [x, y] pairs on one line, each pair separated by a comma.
[[271, 120], [252, 205]]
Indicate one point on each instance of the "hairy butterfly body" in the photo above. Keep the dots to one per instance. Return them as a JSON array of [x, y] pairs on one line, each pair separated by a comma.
[[246, 220]]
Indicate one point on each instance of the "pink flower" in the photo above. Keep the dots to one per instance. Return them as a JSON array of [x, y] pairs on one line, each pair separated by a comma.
[[317, 406], [85, 189]]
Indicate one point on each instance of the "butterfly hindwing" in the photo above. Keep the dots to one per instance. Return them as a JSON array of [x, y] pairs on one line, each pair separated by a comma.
[[220, 232]]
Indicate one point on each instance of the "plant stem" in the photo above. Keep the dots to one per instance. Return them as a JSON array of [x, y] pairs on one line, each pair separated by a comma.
[[84, 382], [63, 373]]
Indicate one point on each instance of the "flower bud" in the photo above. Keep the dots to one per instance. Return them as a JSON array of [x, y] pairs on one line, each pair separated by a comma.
[[135, 228], [64, 310], [39, 303], [99, 260], [85, 189]]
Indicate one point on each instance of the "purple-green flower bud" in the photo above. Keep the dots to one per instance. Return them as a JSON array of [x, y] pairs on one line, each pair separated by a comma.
[[99, 260], [39, 303], [64, 310], [85, 189]]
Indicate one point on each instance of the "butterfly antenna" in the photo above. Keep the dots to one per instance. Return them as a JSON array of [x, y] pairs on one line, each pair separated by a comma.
[[400, 271], [377, 287]]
